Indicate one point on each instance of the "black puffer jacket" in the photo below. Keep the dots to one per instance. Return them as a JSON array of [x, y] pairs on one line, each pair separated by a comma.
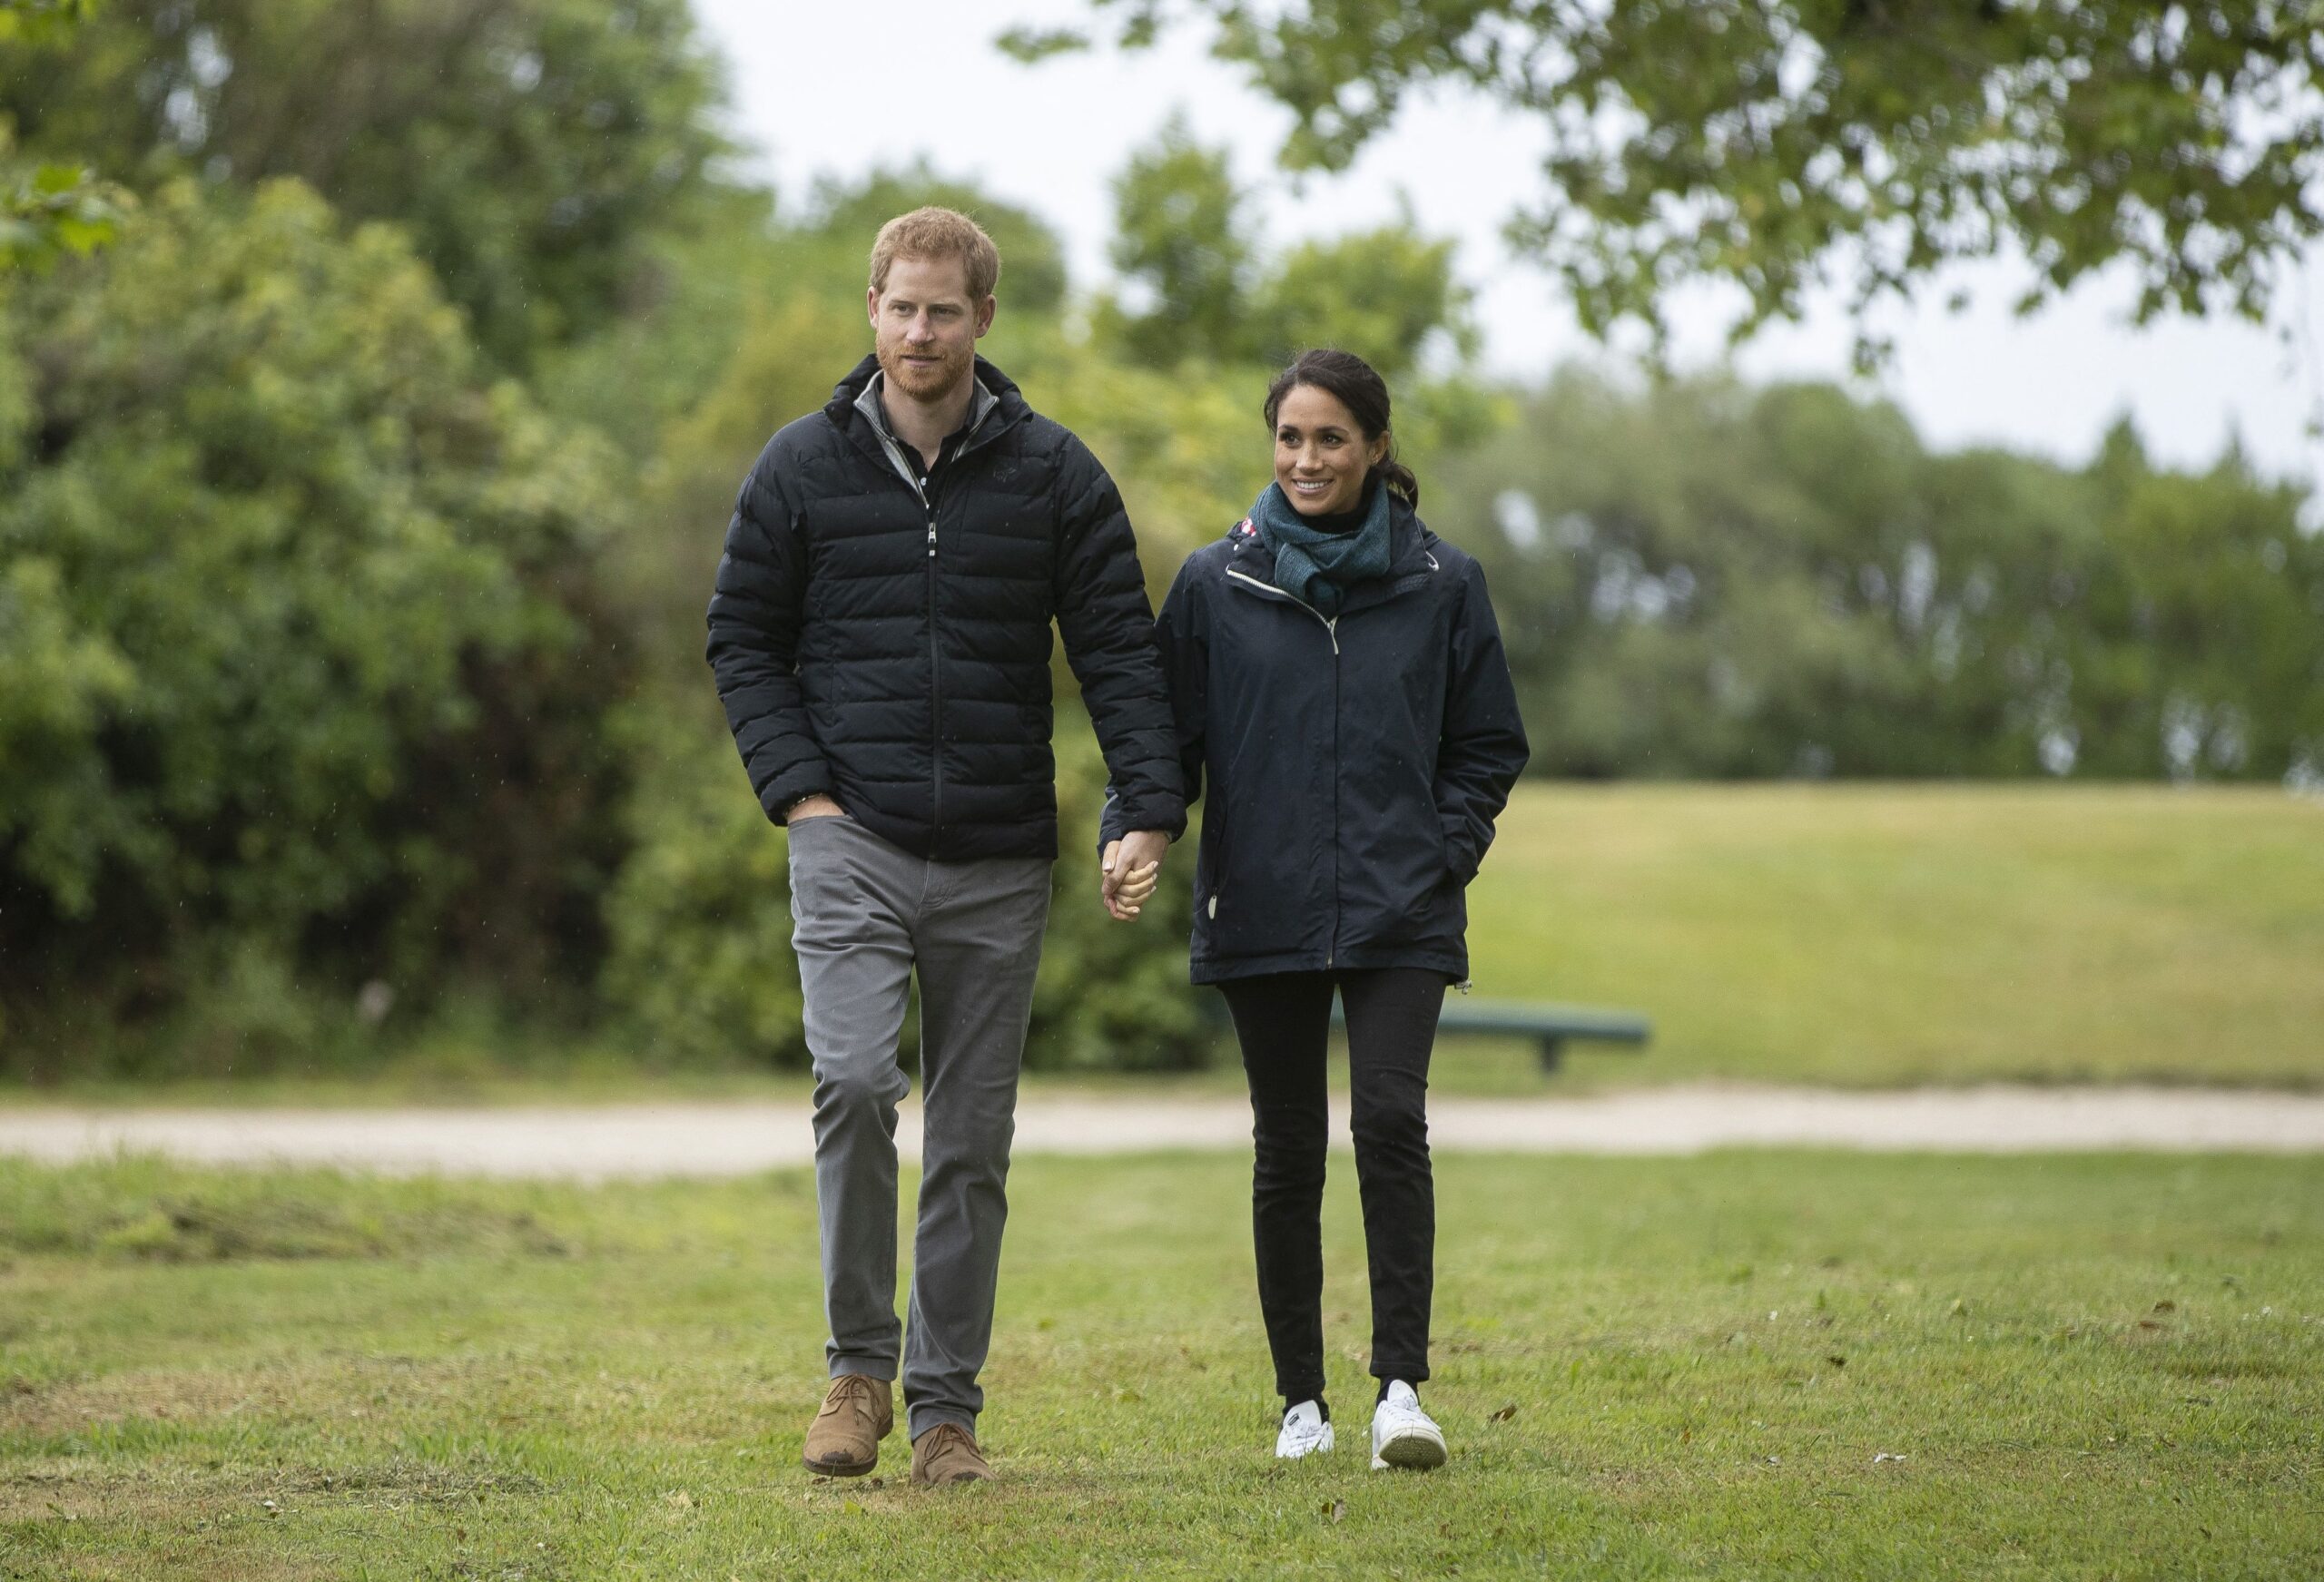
[[886, 641], [1355, 765]]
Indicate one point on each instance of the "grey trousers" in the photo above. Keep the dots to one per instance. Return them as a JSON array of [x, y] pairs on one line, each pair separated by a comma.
[[865, 914]]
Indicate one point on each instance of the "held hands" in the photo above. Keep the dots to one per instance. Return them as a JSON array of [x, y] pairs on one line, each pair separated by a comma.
[[1127, 872]]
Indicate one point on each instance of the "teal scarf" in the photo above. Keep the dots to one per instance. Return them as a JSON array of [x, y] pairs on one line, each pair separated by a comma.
[[1314, 567]]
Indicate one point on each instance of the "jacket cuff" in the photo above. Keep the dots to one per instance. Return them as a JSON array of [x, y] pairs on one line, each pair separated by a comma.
[[807, 780], [1167, 814]]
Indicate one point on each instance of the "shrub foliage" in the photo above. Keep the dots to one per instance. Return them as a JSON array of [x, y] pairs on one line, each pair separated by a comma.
[[305, 662]]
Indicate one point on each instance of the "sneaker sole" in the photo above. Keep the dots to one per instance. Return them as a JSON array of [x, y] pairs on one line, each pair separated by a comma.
[[1409, 1453]]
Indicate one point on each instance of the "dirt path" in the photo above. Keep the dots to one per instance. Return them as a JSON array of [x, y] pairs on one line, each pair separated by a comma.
[[724, 1139]]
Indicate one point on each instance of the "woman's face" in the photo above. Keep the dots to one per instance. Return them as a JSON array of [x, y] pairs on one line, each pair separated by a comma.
[[1320, 453]]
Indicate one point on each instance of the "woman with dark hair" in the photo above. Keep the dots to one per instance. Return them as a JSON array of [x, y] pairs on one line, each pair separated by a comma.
[[1338, 681]]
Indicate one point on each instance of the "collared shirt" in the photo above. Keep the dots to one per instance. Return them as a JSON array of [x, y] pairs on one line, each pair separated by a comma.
[[907, 458]]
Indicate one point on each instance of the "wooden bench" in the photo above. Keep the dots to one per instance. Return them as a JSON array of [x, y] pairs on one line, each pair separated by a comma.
[[1549, 1026]]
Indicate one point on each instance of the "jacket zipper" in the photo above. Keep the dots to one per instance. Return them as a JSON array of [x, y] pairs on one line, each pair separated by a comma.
[[918, 485], [935, 683], [1331, 946], [1330, 625]]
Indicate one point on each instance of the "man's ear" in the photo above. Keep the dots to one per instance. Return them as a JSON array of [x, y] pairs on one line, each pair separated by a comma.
[[984, 315], [871, 305]]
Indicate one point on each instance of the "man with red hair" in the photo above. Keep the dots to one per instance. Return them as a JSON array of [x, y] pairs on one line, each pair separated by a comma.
[[880, 632]]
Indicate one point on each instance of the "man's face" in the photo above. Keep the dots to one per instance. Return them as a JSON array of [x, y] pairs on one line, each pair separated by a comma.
[[927, 326]]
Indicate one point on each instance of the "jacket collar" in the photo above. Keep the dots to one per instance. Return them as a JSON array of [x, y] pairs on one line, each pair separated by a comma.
[[999, 403], [867, 401], [867, 405]]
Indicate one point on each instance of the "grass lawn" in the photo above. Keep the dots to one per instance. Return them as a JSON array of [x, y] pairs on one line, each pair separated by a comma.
[[1884, 935], [1747, 1365]]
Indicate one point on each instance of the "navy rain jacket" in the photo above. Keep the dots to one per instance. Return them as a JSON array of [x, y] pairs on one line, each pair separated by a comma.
[[1355, 766]]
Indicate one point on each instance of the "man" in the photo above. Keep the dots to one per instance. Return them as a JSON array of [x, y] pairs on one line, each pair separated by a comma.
[[880, 632]]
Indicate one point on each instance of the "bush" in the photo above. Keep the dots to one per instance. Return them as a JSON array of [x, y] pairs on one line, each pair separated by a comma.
[[699, 920], [1112, 996], [304, 660]]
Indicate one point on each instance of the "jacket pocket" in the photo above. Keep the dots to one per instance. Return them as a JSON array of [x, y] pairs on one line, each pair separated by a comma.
[[1449, 853]]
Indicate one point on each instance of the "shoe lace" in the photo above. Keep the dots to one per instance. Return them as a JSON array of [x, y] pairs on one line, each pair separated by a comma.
[[848, 1389], [948, 1438]]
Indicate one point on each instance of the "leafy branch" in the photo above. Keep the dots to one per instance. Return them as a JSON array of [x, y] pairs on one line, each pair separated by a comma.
[[1783, 146], [51, 210]]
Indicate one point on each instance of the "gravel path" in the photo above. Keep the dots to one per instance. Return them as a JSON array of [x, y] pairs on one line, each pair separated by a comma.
[[727, 1139]]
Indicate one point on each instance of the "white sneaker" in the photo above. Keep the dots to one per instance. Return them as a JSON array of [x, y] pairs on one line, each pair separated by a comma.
[[1305, 1433], [1403, 1435]]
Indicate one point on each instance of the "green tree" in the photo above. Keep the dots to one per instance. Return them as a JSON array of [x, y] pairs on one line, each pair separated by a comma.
[[2197, 650], [1384, 294], [1697, 578], [1773, 144], [22, 19], [1665, 564], [531, 146], [52, 209], [303, 662], [1182, 240], [1201, 286]]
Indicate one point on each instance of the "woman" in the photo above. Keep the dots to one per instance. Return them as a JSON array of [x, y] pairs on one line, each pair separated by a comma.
[[1337, 676]]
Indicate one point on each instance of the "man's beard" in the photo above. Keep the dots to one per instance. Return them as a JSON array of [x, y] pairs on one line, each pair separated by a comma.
[[923, 381]]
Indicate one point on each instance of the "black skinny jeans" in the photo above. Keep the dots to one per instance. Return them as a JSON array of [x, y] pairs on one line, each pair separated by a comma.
[[1283, 1023]]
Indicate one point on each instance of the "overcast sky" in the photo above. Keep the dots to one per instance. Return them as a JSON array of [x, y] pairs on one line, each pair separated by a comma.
[[836, 90]]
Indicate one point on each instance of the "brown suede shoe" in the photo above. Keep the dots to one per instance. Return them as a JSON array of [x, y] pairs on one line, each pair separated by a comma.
[[843, 1441], [948, 1453]]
